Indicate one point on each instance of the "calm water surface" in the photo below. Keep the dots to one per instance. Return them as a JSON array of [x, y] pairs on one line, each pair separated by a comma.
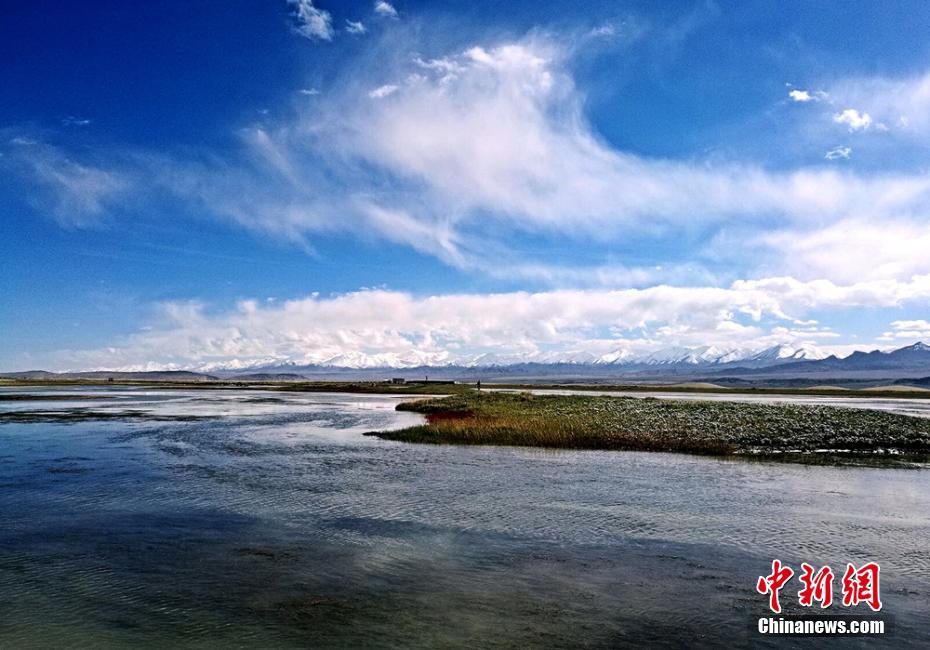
[[268, 519]]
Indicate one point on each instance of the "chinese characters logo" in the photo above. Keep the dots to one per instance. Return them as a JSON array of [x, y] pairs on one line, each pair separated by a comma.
[[858, 585]]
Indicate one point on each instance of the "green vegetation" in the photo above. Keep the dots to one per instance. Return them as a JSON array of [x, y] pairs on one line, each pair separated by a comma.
[[789, 432]]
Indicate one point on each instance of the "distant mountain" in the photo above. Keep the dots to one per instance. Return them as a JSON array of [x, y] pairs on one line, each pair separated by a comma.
[[913, 360], [710, 355], [268, 376], [686, 358], [104, 375], [772, 364]]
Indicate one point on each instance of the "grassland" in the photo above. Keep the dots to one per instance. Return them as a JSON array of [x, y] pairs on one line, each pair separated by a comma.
[[788, 432]]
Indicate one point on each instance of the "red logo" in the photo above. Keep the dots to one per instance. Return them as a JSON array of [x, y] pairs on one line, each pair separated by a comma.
[[772, 584], [859, 585], [817, 587]]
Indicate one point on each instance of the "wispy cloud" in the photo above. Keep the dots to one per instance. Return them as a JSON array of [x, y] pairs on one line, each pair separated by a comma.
[[837, 153], [355, 27], [71, 120], [463, 153], [76, 194], [383, 91], [311, 22], [895, 248]]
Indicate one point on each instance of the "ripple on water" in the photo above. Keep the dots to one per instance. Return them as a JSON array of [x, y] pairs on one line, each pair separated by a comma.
[[279, 523]]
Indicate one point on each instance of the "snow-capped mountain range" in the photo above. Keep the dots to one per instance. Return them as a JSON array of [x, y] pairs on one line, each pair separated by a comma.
[[776, 361], [709, 356]]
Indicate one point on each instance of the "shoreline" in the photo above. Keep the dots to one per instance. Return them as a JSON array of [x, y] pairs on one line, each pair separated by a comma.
[[429, 388]]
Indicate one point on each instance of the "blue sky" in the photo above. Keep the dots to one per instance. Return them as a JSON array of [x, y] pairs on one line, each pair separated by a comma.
[[193, 185]]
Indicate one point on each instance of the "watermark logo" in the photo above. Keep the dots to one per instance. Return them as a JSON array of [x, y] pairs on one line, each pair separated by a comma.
[[858, 585]]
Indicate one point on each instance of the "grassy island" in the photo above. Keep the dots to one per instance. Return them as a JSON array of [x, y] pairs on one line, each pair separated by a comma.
[[790, 432]]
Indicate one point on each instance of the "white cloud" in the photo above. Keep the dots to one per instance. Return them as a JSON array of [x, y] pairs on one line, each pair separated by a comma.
[[603, 31], [477, 147], [855, 120], [383, 8], [311, 22], [378, 326], [355, 27], [900, 105], [914, 330], [911, 325], [804, 96], [76, 194], [383, 91], [310, 92], [837, 153], [500, 132], [855, 249], [70, 120]]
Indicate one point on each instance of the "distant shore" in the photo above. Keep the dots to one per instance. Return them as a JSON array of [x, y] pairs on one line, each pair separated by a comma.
[[813, 434], [436, 388]]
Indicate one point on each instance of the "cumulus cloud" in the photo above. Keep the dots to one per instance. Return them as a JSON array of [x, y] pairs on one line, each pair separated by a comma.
[[383, 8], [311, 22], [855, 120], [805, 96], [379, 327]]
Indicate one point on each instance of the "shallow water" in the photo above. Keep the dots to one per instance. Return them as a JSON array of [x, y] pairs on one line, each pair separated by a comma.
[[271, 521]]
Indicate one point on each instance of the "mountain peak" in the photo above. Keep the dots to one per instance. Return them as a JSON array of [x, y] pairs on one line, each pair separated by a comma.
[[919, 347]]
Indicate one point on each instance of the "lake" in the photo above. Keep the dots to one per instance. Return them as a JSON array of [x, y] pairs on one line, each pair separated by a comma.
[[256, 518]]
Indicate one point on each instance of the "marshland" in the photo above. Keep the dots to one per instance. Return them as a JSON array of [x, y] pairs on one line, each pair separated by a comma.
[[785, 431]]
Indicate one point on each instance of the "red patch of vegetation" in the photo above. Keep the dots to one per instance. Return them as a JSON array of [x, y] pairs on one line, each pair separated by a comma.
[[445, 416]]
